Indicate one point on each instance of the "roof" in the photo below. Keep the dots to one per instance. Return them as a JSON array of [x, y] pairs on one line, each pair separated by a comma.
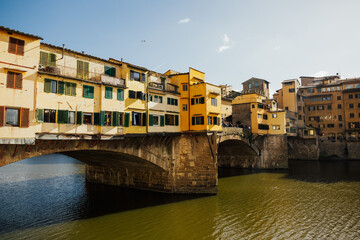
[[18, 32], [254, 78], [290, 80], [178, 74], [129, 64]]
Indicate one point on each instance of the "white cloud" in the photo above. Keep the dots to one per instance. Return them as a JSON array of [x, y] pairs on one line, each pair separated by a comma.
[[185, 20], [226, 44], [320, 74], [223, 48]]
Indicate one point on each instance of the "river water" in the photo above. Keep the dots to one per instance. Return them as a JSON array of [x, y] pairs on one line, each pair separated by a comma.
[[47, 198]]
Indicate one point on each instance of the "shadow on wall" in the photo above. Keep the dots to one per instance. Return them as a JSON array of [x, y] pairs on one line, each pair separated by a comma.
[[237, 154]]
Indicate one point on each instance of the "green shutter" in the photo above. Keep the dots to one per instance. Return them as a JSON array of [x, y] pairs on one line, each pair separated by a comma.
[[127, 119], [176, 120], [91, 92], [86, 70], [40, 115], [47, 85], [116, 119], [168, 101], [63, 116], [43, 58], [113, 72], [79, 117], [162, 121], [120, 94], [102, 118], [61, 87], [73, 89], [107, 70], [68, 88], [52, 59], [151, 120], [79, 69], [144, 119], [97, 119], [108, 92]]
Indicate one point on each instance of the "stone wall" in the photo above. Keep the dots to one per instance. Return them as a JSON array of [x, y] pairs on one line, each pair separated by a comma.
[[303, 149], [339, 149]]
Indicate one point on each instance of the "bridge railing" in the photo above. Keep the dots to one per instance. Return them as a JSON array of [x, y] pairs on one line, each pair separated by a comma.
[[233, 131]]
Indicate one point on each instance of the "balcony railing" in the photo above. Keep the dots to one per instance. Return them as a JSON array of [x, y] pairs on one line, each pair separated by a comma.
[[157, 86], [83, 75]]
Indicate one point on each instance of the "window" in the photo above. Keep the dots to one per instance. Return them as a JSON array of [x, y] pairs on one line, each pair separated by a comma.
[[286, 108], [155, 120], [265, 116], [340, 125], [263, 127], [330, 125], [49, 115], [249, 85], [252, 106], [311, 90], [319, 90], [110, 71], [198, 120], [329, 107], [50, 86], [132, 94], [358, 105], [276, 127], [136, 76], [88, 91], [340, 117], [120, 94], [339, 106], [352, 115], [140, 95], [136, 119], [16, 46], [351, 105], [88, 118], [172, 101], [12, 117], [348, 86], [213, 101], [108, 92], [351, 96], [184, 107], [259, 115], [169, 119], [71, 117], [216, 121], [256, 84], [357, 95], [107, 119], [291, 90], [209, 120], [338, 97], [47, 59], [320, 107], [14, 80], [274, 115], [185, 87], [70, 88], [82, 70]]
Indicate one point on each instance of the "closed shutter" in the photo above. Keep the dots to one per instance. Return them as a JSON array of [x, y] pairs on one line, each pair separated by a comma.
[[113, 72], [79, 117], [102, 118], [12, 45], [91, 91], [143, 77], [151, 120], [61, 87], [20, 47], [47, 85], [52, 60], [127, 120], [144, 119], [162, 121], [43, 58], [67, 88], [63, 116], [79, 69], [176, 120], [116, 119], [86, 70], [107, 70], [2, 116], [10, 83], [24, 117], [120, 94], [40, 115], [73, 89], [97, 119]]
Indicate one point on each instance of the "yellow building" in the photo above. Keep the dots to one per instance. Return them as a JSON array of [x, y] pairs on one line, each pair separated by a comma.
[[18, 67], [163, 104], [260, 114], [226, 107], [200, 102]]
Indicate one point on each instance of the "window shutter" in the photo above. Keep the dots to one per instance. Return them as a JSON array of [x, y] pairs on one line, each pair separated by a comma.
[[151, 120], [176, 120], [168, 101], [219, 121], [131, 74], [43, 58], [52, 61], [127, 120], [2, 116], [113, 72], [40, 115], [20, 47], [86, 70], [143, 77], [107, 70], [144, 119], [63, 116], [102, 118], [79, 68], [10, 83], [116, 119], [162, 121], [97, 119], [79, 117], [91, 92], [120, 95], [12, 45], [61, 87], [73, 89], [47, 85], [192, 101]]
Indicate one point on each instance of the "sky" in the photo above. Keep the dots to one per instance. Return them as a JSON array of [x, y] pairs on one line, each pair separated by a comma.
[[231, 41]]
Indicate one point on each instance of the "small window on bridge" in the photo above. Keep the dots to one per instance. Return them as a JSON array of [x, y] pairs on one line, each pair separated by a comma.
[[49, 115], [12, 117], [88, 118]]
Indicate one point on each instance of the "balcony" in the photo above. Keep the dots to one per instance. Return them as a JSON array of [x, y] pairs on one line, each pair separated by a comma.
[[172, 88], [157, 86], [83, 75]]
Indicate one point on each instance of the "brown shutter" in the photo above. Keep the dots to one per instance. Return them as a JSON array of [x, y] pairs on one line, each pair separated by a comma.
[[12, 45], [20, 45], [2, 116], [18, 81], [10, 80], [24, 117]]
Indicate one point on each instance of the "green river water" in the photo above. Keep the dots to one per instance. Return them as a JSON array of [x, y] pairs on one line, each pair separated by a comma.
[[48, 198]]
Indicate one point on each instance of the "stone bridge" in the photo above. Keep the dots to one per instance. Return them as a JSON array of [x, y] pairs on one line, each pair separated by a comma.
[[174, 163]]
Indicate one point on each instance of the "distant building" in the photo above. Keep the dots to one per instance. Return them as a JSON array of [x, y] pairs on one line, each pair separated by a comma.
[[256, 85]]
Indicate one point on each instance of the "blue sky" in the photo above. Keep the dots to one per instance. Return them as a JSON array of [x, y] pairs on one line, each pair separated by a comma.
[[230, 41]]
